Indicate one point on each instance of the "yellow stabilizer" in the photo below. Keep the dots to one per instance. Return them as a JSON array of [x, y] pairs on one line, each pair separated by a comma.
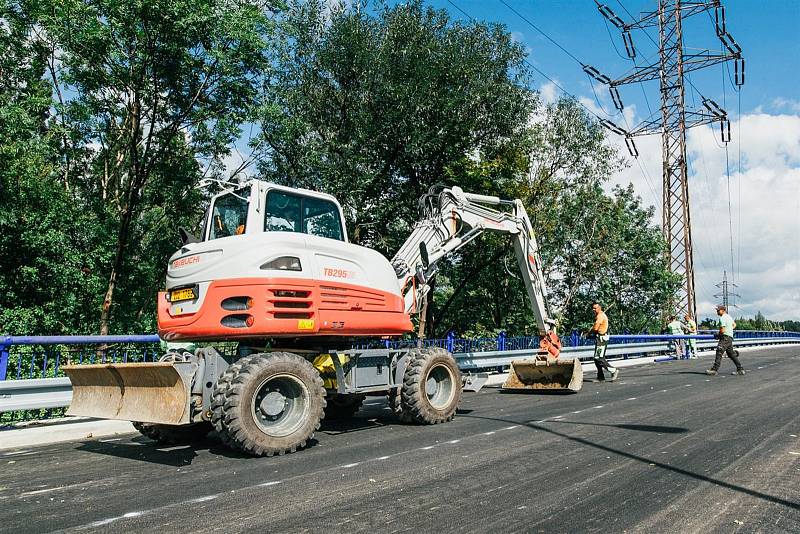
[[541, 373], [157, 392]]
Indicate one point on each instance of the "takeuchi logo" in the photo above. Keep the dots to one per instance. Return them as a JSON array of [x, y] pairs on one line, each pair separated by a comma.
[[183, 262]]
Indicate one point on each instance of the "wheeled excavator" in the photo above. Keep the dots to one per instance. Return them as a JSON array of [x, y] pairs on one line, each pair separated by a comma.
[[273, 273]]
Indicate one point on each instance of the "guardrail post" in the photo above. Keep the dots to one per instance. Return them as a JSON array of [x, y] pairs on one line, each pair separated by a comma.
[[501, 341], [5, 343], [573, 339], [450, 341]]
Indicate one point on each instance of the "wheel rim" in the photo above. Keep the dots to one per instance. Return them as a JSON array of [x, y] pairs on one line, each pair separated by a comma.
[[440, 386], [280, 405]]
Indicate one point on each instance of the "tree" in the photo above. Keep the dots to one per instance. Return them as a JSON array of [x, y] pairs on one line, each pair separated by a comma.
[[146, 91], [375, 108], [44, 278]]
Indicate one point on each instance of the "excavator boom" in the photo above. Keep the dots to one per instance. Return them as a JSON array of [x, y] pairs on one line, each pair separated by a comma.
[[450, 220]]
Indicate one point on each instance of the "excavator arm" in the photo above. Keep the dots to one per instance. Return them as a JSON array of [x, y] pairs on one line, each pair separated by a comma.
[[450, 220]]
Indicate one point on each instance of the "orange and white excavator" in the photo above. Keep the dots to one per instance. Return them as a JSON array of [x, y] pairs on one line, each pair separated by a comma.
[[275, 274]]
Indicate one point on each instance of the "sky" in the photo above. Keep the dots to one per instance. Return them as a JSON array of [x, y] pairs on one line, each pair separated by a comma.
[[763, 157]]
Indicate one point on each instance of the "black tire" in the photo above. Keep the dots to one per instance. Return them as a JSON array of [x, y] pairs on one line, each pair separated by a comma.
[[396, 405], [174, 434], [218, 399], [269, 404], [343, 406], [431, 386]]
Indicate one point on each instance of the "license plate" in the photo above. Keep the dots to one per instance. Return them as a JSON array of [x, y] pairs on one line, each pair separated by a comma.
[[182, 294]]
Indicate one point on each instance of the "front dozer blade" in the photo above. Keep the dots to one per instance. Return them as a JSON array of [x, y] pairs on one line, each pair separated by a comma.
[[540, 373], [157, 392]]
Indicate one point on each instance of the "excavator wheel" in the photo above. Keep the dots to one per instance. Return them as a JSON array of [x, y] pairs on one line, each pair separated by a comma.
[[269, 404], [396, 404], [341, 407], [431, 387], [174, 434], [218, 399]]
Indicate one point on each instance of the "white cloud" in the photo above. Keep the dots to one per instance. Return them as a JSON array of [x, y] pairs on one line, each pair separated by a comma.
[[549, 93], [787, 104], [765, 209]]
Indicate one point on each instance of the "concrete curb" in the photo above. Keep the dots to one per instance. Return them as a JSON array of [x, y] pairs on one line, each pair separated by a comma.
[[62, 430]]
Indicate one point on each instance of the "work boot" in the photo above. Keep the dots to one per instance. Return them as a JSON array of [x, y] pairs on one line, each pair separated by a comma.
[[711, 372], [614, 373], [601, 378], [739, 372]]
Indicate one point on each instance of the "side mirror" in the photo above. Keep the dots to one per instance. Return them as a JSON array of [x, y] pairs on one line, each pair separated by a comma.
[[423, 252], [186, 237]]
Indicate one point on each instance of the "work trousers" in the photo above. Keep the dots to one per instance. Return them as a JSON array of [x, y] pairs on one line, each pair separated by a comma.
[[692, 344], [725, 346], [677, 345], [600, 344]]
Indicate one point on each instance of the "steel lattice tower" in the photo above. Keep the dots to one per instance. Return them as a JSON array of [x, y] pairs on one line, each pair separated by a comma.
[[673, 64], [675, 211]]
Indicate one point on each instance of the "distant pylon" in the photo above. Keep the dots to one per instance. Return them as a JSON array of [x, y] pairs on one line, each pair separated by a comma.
[[727, 291]]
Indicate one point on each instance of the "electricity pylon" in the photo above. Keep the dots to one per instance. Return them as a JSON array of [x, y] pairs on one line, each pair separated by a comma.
[[675, 119]]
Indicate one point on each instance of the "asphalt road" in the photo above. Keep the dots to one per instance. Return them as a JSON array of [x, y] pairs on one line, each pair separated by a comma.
[[664, 449]]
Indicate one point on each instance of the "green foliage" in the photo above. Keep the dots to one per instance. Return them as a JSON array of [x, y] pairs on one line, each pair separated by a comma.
[[123, 107], [111, 111], [375, 109]]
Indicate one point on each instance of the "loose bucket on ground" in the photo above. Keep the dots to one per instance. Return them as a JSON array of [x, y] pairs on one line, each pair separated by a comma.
[[156, 392], [545, 374]]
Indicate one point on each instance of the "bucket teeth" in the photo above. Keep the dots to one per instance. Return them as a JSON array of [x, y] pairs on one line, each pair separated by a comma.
[[551, 374]]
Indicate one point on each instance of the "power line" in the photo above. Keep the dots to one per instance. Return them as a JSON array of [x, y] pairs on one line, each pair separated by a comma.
[[583, 66], [542, 32]]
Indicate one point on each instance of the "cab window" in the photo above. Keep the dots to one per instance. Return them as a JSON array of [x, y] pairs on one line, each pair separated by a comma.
[[294, 213], [229, 214]]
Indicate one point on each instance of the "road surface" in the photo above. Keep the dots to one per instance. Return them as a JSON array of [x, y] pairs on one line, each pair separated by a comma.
[[664, 449]]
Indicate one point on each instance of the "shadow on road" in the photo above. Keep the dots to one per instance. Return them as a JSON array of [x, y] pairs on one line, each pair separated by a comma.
[[145, 450], [639, 428], [536, 391], [647, 461]]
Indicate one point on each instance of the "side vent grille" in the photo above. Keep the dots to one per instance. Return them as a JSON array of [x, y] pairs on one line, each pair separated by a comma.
[[290, 304]]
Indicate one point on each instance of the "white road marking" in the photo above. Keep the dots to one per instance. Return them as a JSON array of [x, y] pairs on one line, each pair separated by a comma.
[[795, 453], [14, 453], [453, 441], [109, 440], [512, 427], [348, 466], [598, 407], [199, 499], [382, 458], [488, 433], [429, 447], [274, 482], [577, 411], [632, 398]]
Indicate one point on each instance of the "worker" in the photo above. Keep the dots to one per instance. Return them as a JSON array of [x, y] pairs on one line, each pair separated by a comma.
[[690, 328], [675, 328], [600, 332], [726, 326]]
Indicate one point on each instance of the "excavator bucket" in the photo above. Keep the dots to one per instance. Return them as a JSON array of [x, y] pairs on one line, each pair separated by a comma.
[[157, 392], [553, 374]]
